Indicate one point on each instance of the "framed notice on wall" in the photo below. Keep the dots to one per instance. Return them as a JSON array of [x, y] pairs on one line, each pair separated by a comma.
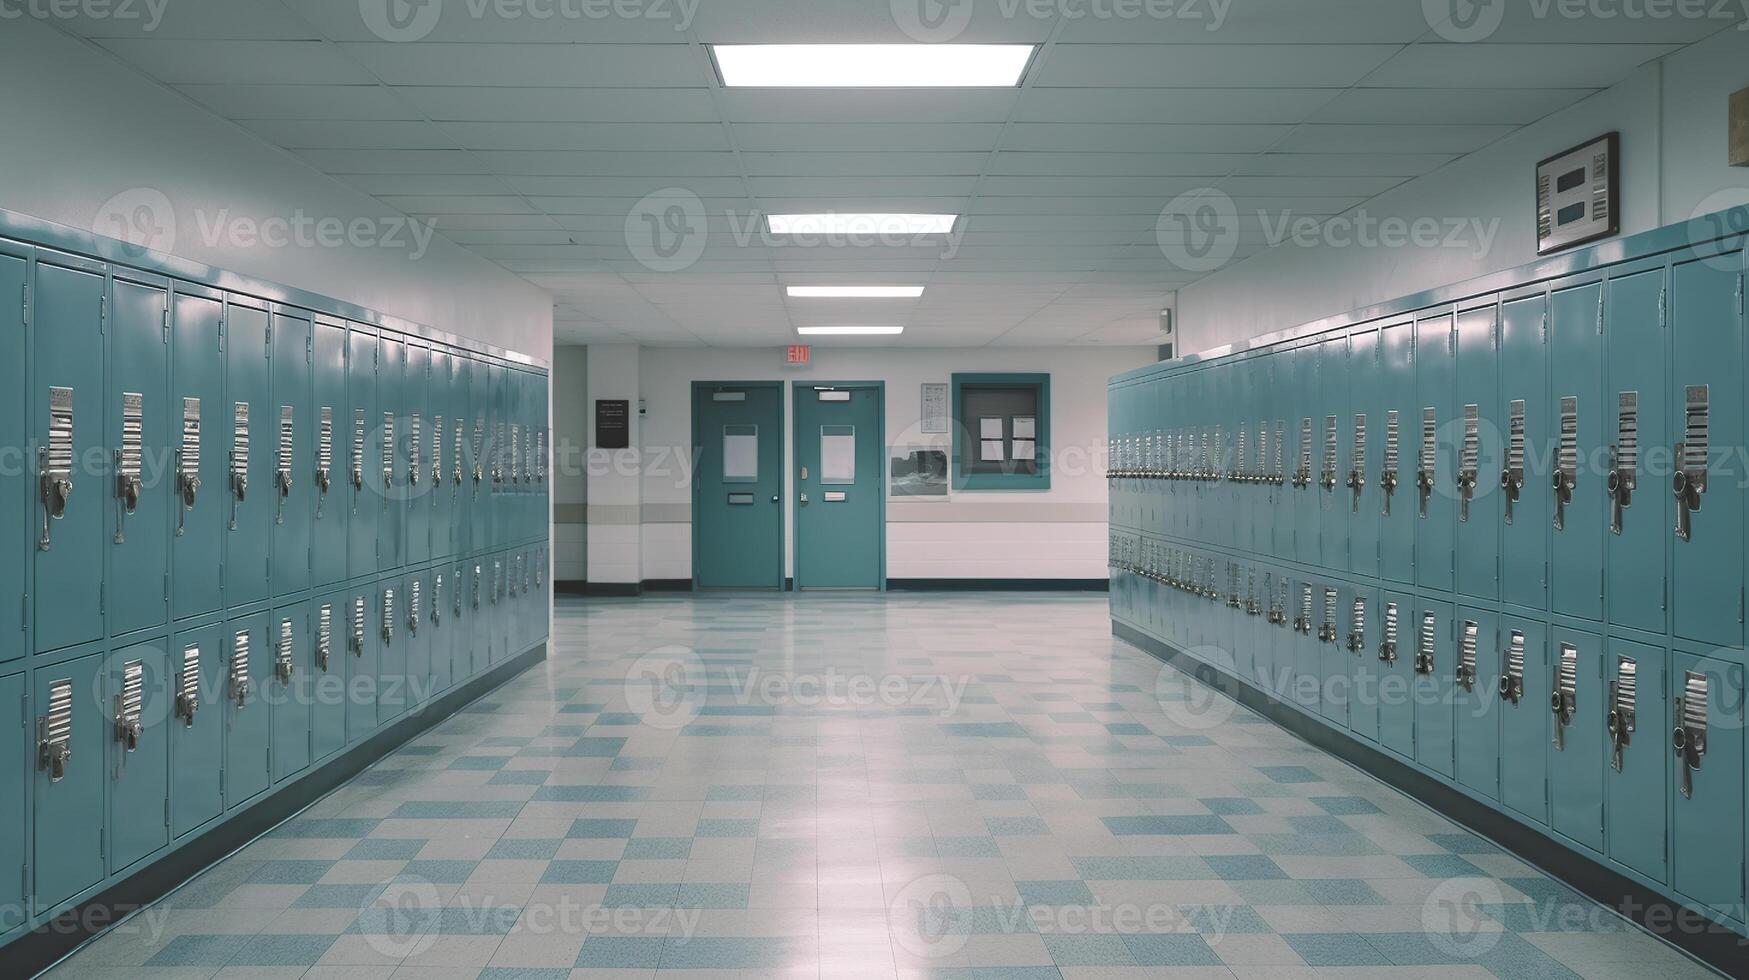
[[613, 423], [935, 409]]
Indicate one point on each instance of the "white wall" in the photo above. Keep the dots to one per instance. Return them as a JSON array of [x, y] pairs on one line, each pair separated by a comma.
[[1056, 533], [570, 387], [1672, 120], [78, 128]]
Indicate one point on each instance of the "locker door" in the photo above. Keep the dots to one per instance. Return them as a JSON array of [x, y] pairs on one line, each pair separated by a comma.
[[462, 613], [364, 636], [1433, 430], [290, 435], [543, 517], [329, 653], [416, 388], [1363, 431], [1360, 611], [1476, 686], [441, 459], [15, 488], [333, 493], [416, 621], [1302, 662], [1333, 690], [1399, 428], [14, 777], [1636, 781], [390, 623], [198, 449], [1247, 624], [248, 430], [1283, 451], [1707, 303], [291, 679], [1579, 748], [1305, 432], [1396, 658], [498, 424], [478, 487], [363, 487], [1576, 413], [1634, 405], [1435, 664], [1524, 717], [248, 668], [1335, 451], [1241, 489], [1476, 481], [197, 727], [442, 621], [68, 411], [389, 466], [68, 734], [138, 752], [1706, 836], [138, 425], [1524, 404], [481, 604]]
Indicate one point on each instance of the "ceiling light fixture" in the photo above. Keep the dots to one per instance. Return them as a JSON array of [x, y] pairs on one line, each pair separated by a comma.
[[872, 65], [861, 224], [849, 331], [855, 292]]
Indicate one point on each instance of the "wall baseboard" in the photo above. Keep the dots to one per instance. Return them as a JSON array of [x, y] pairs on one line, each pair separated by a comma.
[[36, 951], [1682, 927], [998, 585]]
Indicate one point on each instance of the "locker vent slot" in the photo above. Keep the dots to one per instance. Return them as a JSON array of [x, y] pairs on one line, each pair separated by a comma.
[[1303, 470], [389, 450], [1329, 455], [55, 462], [1388, 646], [1690, 482], [129, 466], [324, 448], [283, 472], [1566, 697], [240, 668], [1512, 477], [324, 635], [479, 448], [437, 599], [128, 727], [282, 654], [1357, 625], [388, 616], [1689, 737], [1242, 456], [1233, 599], [1469, 460], [476, 586], [188, 459], [1392, 428], [358, 449], [414, 446], [1627, 447], [497, 579], [240, 448], [460, 434], [1467, 640], [1567, 459], [1327, 631], [1217, 454], [1252, 608], [55, 731], [1303, 622], [1424, 648], [1357, 468], [414, 606], [436, 450], [1280, 451], [1512, 679], [1426, 466], [1623, 696], [498, 445], [188, 685], [540, 568], [358, 625], [540, 455]]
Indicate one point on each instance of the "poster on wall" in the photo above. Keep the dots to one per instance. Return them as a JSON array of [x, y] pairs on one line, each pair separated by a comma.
[[935, 409], [919, 473]]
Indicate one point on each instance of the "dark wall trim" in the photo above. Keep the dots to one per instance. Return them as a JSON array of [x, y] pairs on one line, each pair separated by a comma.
[[570, 588], [1685, 928], [36, 951], [999, 584]]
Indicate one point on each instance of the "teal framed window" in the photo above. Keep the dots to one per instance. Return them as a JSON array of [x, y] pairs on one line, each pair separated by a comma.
[[1002, 431]]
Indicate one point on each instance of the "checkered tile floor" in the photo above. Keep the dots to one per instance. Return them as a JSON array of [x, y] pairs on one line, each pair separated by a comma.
[[964, 787]]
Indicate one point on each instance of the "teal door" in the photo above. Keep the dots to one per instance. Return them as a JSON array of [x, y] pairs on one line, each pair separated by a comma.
[[840, 486], [737, 495]]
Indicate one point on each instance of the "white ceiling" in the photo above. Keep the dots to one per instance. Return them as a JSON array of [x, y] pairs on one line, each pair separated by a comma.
[[530, 140]]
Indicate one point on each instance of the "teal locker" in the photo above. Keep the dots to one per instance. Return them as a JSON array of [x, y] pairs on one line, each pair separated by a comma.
[[290, 435], [1398, 432], [197, 727], [416, 618], [248, 430], [363, 434], [136, 692], [1360, 641], [1476, 688], [421, 489], [202, 505], [1247, 624], [1525, 712], [445, 462], [68, 411], [1525, 473], [498, 616], [364, 637], [1707, 408], [1576, 418], [1706, 832], [1335, 450], [1240, 487], [391, 611], [15, 489], [502, 457], [391, 451], [329, 653], [1635, 403], [442, 621], [14, 776], [139, 425], [1363, 425], [479, 614], [68, 733], [459, 623], [1333, 692], [1636, 783], [1579, 747], [1302, 662], [1275, 642], [1307, 508], [543, 517], [1433, 433], [329, 486], [291, 683], [1435, 664], [1476, 482], [1397, 677], [248, 710]]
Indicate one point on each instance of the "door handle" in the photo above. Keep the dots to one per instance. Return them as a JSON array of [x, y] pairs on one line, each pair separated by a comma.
[[775, 498], [804, 500]]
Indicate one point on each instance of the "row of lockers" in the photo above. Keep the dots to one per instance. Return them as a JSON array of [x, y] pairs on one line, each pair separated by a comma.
[[137, 747], [182, 450], [1628, 750], [1574, 448]]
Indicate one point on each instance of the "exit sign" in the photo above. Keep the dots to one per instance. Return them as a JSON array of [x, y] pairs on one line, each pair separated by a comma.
[[796, 354]]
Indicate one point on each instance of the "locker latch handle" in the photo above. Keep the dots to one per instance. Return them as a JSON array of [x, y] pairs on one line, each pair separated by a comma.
[[52, 755], [1690, 746], [240, 690], [284, 670], [1467, 481], [1619, 723], [1356, 483], [186, 706], [1619, 485], [1563, 486], [1356, 641], [324, 479], [1688, 491], [1388, 652], [188, 484], [1562, 706], [1511, 689], [128, 487], [357, 476], [1511, 483], [1388, 483], [1424, 482], [55, 487], [1466, 677]]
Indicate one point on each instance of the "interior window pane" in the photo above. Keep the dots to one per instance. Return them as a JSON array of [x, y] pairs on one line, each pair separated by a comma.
[[837, 454], [740, 454]]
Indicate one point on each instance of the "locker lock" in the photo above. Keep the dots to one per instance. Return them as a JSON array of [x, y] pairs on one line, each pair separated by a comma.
[[128, 732], [1688, 739], [1388, 652], [357, 476], [188, 485], [1424, 483], [128, 486], [324, 479], [239, 482], [54, 732], [53, 756], [1619, 723], [1512, 482]]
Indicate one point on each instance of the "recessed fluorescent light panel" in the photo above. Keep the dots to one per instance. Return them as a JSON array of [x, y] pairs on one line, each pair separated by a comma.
[[857, 224], [849, 331], [872, 65], [855, 292]]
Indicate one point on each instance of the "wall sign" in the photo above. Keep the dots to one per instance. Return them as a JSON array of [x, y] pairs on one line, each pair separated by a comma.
[[613, 423], [935, 409], [1577, 195]]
